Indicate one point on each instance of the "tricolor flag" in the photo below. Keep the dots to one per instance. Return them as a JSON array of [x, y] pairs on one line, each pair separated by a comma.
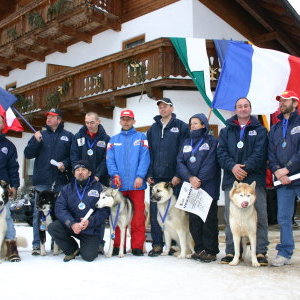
[[11, 122], [258, 74], [192, 53]]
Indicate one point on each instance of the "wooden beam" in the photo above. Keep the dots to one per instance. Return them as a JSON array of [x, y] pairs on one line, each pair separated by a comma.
[[4, 72], [154, 92], [76, 34], [119, 101], [29, 54], [266, 37], [13, 64], [51, 45], [104, 20], [102, 111], [73, 117]]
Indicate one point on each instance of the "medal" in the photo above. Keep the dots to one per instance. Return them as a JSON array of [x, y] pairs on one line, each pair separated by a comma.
[[192, 159], [112, 236], [90, 152], [42, 227], [283, 145], [81, 206], [240, 144], [285, 124]]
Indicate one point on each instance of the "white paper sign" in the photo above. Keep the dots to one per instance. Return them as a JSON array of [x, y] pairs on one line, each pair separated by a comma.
[[195, 201], [293, 177]]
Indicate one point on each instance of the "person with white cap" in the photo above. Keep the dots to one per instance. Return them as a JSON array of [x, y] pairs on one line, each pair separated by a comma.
[[51, 150], [128, 161], [165, 138], [284, 161]]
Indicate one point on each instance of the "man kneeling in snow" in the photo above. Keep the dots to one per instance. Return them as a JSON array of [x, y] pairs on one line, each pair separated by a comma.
[[72, 204]]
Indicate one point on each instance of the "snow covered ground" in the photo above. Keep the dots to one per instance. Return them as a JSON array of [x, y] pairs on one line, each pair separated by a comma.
[[133, 277]]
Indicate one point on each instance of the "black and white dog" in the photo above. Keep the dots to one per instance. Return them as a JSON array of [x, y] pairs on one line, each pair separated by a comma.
[[3, 226], [45, 205]]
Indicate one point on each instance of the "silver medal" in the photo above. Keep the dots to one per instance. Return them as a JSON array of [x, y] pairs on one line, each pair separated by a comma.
[[90, 152], [192, 159], [240, 144], [42, 227], [283, 145], [81, 206]]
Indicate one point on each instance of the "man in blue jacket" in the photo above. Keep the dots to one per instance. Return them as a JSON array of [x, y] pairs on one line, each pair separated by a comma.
[[72, 204], [90, 144], [128, 161], [165, 137], [242, 153], [284, 160], [51, 150], [9, 173]]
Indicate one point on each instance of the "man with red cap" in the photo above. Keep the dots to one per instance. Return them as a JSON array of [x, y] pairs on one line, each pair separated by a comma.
[[284, 161], [51, 150], [128, 160]]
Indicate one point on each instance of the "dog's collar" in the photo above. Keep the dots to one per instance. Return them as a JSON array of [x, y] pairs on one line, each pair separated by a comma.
[[163, 218]]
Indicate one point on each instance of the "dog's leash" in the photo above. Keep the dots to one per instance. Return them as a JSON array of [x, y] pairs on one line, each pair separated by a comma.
[[115, 221], [163, 218]]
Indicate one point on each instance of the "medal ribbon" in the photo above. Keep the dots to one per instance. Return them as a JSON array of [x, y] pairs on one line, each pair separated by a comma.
[[284, 127], [91, 145], [81, 195], [163, 218], [242, 133], [115, 221], [196, 147], [43, 217]]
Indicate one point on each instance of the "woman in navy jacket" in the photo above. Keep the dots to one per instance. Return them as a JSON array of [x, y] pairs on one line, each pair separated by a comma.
[[197, 164]]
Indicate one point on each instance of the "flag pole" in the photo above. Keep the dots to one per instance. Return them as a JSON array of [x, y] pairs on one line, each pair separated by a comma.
[[21, 116], [209, 113]]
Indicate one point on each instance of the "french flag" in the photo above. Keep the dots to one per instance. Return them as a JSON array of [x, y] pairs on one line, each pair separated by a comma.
[[258, 74], [11, 122]]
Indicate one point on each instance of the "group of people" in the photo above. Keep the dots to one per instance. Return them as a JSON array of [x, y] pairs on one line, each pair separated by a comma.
[[172, 151]]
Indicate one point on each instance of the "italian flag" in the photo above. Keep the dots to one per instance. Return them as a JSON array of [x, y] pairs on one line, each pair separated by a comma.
[[193, 55]]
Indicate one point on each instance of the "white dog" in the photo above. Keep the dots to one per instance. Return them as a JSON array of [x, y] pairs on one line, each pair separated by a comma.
[[243, 220], [121, 215], [173, 221]]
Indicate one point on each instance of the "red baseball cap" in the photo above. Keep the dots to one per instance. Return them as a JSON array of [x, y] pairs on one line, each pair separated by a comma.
[[54, 112], [288, 95], [127, 113]]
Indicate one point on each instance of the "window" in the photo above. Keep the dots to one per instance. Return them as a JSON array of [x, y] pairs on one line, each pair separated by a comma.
[[138, 40]]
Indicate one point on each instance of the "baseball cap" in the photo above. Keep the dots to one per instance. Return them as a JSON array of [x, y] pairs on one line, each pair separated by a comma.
[[82, 164], [54, 112], [165, 100], [127, 113], [288, 95]]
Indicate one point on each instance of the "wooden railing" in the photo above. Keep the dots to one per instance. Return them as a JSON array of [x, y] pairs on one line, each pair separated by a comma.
[[129, 72]]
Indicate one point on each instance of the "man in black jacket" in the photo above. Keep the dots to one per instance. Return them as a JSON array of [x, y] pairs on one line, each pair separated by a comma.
[[165, 137], [90, 143], [242, 154], [51, 150]]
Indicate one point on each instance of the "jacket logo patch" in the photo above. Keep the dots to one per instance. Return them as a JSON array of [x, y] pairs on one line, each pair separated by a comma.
[[117, 144], [205, 146], [64, 138], [252, 132], [187, 148], [174, 129], [145, 143], [295, 130], [136, 142], [93, 193], [4, 150], [101, 144], [81, 141]]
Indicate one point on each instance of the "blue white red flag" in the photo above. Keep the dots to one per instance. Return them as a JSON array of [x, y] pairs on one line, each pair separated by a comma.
[[11, 122], [258, 74]]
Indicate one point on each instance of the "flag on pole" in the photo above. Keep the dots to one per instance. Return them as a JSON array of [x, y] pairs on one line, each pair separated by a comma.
[[11, 122], [258, 74], [192, 53]]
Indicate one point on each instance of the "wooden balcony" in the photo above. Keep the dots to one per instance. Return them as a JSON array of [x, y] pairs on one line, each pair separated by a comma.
[[102, 84], [45, 26]]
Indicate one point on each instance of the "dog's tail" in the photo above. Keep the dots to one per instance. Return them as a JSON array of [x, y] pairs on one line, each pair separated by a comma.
[[21, 242]]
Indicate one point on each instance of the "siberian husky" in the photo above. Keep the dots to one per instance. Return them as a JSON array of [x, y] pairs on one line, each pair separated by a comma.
[[121, 215], [45, 205], [173, 221], [243, 219]]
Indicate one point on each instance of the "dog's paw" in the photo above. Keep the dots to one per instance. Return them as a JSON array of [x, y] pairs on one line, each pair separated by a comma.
[[188, 255], [56, 253], [234, 262], [165, 253], [108, 255], [121, 255], [43, 253], [255, 264], [181, 256]]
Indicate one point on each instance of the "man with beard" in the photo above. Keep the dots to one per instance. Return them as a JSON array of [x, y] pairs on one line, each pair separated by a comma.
[[242, 154], [284, 159], [90, 144], [51, 150], [72, 204]]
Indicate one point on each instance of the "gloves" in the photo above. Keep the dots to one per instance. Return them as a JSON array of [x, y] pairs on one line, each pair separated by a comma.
[[117, 181]]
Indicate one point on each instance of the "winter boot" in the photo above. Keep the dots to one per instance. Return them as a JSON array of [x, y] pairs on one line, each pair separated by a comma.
[[12, 251]]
